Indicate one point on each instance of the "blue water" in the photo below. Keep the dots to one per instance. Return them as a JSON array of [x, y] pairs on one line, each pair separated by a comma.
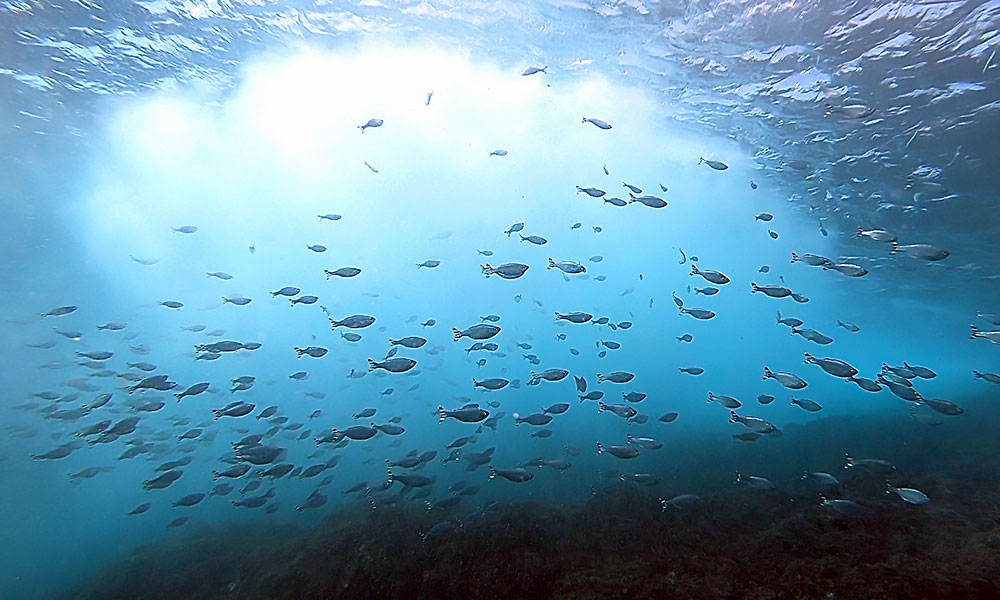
[[123, 122]]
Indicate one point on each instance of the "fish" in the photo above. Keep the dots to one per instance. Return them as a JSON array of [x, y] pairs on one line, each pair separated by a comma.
[[710, 276], [372, 123], [806, 404], [511, 270], [482, 331], [813, 260], [392, 365], [514, 228], [592, 192], [774, 291], [597, 123], [623, 452], [702, 314], [833, 366], [650, 201], [569, 267], [727, 401], [925, 252], [616, 377], [533, 71], [466, 414], [990, 377], [715, 164], [345, 272], [537, 419], [790, 381], [491, 384], [990, 336], [848, 326], [313, 351], [909, 495]]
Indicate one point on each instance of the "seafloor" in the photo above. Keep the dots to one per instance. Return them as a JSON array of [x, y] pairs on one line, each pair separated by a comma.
[[735, 543]]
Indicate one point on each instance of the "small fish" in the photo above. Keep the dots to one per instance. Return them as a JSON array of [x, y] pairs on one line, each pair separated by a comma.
[[910, 495], [514, 228], [848, 326], [922, 251], [788, 380], [623, 452], [710, 276], [597, 123], [498, 153], [806, 404], [429, 264], [511, 270], [990, 377], [329, 217], [318, 248], [717, 165], [533, 71], [286, 291], [372, 123], [370, 168], [185, 229], [592, 192], [753, 184], [313, 351]]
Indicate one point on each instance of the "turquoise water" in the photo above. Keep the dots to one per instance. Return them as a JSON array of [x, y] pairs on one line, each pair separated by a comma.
[[125, 123]]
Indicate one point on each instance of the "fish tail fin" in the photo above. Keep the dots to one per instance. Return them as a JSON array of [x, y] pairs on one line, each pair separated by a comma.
[[754, 287], [372, 365], [733, 416], [584, 120], [895, 247], [850, 461], [552, 263], [974, 332], [601, 407], [493, 472], [768, 373], [442, 415], [457, 333], [600, 448], [701, 160], [739, 477]]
